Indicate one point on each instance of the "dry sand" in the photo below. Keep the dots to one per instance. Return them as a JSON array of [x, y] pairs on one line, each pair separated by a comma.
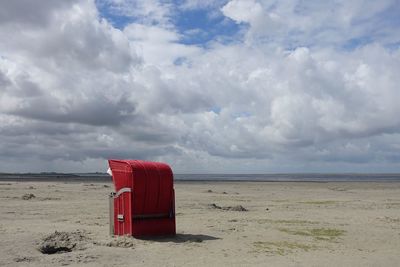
[[286, 224]]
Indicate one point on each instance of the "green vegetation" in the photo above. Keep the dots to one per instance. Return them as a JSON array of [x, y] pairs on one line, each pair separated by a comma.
[[317, 233], [280, 247]]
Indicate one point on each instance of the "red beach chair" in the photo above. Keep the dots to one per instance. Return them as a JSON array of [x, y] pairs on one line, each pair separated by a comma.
[[144, 198]]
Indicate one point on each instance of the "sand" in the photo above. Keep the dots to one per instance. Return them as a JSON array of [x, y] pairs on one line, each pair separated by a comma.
[[218, 224]]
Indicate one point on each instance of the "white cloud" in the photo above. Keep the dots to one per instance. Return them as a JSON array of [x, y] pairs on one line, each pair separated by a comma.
[[243, 10], [315, 23], [148, 12], [158, 45], [74, 90]]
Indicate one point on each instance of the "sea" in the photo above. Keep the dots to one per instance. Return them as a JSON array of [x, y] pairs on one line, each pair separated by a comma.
[[277, 177]]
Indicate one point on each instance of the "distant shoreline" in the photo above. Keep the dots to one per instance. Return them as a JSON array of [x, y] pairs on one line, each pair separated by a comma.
[[295, 177]]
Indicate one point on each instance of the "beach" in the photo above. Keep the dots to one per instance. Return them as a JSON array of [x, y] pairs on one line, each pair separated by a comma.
[[218, 223]]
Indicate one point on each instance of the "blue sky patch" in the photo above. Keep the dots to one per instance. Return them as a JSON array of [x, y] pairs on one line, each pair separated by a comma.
[[117, 20], [196, 26]]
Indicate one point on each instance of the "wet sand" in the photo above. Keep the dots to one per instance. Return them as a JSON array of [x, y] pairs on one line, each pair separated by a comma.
[[286, 224]]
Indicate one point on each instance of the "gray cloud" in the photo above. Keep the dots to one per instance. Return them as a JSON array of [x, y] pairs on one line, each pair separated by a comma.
[[74, 90], [92, 112], [30, 13]]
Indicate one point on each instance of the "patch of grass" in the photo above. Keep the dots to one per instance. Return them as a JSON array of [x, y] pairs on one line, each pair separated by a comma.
[[392, 204], [294, 232], [340, 189], [319, 202], [317, 233], [280, 247], [391, 220]]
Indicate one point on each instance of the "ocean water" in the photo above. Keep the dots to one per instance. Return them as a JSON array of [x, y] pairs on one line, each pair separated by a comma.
[[293, 177], [283, 177]]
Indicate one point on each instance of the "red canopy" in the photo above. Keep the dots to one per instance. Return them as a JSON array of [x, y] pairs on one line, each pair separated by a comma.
[[144, 203]]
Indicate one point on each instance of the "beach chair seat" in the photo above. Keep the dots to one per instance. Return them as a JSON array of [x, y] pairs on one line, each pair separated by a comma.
[[144, 198]]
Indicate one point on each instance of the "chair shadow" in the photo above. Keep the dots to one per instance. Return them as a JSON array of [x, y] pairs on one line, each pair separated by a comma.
[[182, 238]]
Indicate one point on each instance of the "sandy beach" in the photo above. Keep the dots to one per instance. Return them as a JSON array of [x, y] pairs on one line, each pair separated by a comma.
[[218, 223]]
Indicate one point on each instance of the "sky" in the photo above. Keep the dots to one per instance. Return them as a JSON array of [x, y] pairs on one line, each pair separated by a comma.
[[240, 86]]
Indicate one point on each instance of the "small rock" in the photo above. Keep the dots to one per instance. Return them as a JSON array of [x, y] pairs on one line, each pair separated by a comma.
[[236, 208], [121, 242], [23, 259], [214, 206], [28, 196], [229, 208]]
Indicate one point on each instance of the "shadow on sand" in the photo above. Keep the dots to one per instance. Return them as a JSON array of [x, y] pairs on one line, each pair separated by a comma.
[[182, 238]]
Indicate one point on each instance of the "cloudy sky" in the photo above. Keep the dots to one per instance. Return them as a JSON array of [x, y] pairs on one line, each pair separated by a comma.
[[241, 86]]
